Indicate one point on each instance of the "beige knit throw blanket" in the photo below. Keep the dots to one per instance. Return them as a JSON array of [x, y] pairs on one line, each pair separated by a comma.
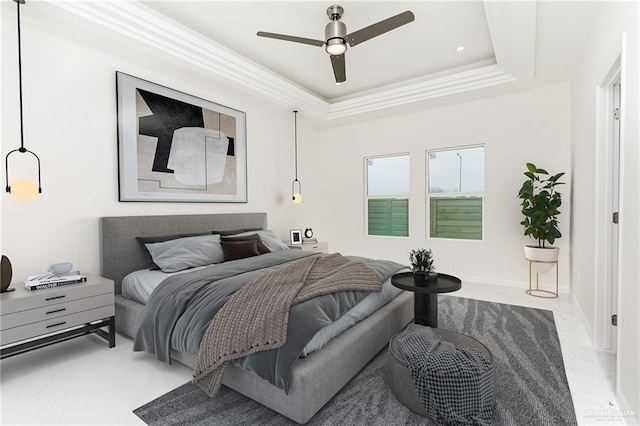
[[255, 317]]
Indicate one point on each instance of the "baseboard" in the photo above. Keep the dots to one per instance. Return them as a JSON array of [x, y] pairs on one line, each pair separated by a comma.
[[564, 290], [583, 318]]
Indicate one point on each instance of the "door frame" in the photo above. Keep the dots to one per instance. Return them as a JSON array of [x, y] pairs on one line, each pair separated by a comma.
[[605, 336]]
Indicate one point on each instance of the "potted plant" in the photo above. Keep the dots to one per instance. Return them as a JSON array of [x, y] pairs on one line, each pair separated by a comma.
[[540, 204], [422, 266]]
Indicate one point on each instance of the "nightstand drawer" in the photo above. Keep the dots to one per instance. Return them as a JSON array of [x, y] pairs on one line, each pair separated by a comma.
[[320, 246], [24, 299], [44, 313], [28, 331]]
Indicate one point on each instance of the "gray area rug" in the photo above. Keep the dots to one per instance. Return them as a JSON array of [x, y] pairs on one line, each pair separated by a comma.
[[532, 387]]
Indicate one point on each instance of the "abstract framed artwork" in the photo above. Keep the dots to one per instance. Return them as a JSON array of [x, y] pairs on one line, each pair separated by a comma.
[[174, 147]]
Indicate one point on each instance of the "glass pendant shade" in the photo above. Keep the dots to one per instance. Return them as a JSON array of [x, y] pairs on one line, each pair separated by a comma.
[[24, 189], [296, 193]]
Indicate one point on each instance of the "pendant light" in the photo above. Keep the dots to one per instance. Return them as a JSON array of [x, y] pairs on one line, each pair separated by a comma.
[[22, 189], [296, 196]]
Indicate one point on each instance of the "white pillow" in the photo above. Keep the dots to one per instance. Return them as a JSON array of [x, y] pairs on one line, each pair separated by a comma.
[[182, 253], [268, 237]]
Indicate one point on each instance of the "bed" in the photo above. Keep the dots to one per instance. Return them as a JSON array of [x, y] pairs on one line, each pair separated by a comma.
[[315, 379]]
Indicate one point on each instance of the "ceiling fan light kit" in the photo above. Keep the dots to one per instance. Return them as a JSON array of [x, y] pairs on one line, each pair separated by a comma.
[[337, 40], [336, 46]]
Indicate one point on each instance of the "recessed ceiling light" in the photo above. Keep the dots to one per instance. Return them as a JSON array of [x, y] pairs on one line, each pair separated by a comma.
[[460, 48]]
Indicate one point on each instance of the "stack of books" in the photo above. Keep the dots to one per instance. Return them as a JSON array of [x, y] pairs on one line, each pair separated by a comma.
[[39, 282], [309, 240]]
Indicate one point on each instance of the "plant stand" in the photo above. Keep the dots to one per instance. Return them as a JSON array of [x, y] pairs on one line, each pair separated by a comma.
[[538, 292]]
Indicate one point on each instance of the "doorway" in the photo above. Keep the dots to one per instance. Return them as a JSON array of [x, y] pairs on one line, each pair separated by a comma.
[[609, 119]]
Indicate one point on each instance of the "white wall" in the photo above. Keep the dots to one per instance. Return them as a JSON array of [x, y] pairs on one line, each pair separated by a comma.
[[604, 45], [531, 126], [71, 123]]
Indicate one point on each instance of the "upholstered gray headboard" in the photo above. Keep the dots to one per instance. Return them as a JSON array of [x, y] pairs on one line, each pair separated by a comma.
[[120, 252]]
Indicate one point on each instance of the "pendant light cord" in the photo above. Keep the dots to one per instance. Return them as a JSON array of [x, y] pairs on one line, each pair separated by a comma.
[[20, 79], [295, 124]]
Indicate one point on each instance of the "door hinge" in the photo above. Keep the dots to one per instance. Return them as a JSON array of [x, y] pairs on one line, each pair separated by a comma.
[[616, 114], [614, 320], [616, 217]]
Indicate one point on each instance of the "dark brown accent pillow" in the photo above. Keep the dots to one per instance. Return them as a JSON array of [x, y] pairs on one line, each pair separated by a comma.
[[159, 239], [262, 248], [239, 249]]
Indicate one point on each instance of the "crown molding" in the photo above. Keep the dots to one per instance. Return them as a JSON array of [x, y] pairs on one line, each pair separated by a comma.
[[138, 22], [515, 56], [444, 86]]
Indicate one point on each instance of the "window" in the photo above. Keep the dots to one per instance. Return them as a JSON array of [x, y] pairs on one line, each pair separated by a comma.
[[387, 184], [455, 182]]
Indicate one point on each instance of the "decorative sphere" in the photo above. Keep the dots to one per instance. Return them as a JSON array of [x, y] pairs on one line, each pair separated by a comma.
[[297, 198], [24, 189]]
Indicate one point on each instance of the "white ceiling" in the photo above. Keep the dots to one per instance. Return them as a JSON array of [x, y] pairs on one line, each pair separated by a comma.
[[509, 45], [425, 46]]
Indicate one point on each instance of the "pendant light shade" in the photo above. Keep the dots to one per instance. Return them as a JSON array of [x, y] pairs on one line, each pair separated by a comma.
[[296, 186], [21, 189]]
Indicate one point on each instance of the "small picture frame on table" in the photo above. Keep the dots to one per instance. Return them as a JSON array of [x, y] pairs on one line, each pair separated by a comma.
[[296, 237]]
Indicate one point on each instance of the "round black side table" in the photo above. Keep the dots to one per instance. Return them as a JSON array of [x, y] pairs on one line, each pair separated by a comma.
[[425, 298]]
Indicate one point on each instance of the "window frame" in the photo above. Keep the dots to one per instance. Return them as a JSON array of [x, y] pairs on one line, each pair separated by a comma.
[[367, 197], [429, 194]]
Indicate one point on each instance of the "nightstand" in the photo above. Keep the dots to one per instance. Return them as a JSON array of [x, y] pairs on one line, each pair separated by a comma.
[[319, 247], [31, 319]]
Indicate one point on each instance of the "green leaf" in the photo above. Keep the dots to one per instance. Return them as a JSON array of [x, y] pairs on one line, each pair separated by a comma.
[[540, 205]]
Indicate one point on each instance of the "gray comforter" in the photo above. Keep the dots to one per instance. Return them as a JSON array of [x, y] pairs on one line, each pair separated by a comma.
[[180, 309]]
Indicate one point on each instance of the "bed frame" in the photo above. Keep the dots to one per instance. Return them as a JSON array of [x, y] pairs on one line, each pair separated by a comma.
[[315, 379]]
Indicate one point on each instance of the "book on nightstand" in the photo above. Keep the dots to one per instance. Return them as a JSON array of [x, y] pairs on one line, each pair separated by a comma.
[[39, 282]]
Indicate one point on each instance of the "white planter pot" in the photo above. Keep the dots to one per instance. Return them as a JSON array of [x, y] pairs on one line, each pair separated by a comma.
[[544, 258]]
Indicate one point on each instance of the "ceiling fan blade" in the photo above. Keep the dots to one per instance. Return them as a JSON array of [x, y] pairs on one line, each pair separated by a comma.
[[339, 69], [378, 28], [292, 38]]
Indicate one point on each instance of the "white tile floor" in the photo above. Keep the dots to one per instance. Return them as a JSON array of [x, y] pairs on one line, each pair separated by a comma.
[[81, 381]]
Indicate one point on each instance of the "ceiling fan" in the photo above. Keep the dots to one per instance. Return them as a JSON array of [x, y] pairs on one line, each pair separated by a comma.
[[336, 37]]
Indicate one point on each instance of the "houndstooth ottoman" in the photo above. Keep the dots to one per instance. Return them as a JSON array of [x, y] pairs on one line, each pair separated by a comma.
[[441, 408]]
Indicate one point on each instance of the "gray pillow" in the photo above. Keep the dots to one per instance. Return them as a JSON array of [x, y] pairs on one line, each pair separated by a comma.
[[235, 231], [157, 239], [176, 255], [269, 239]]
